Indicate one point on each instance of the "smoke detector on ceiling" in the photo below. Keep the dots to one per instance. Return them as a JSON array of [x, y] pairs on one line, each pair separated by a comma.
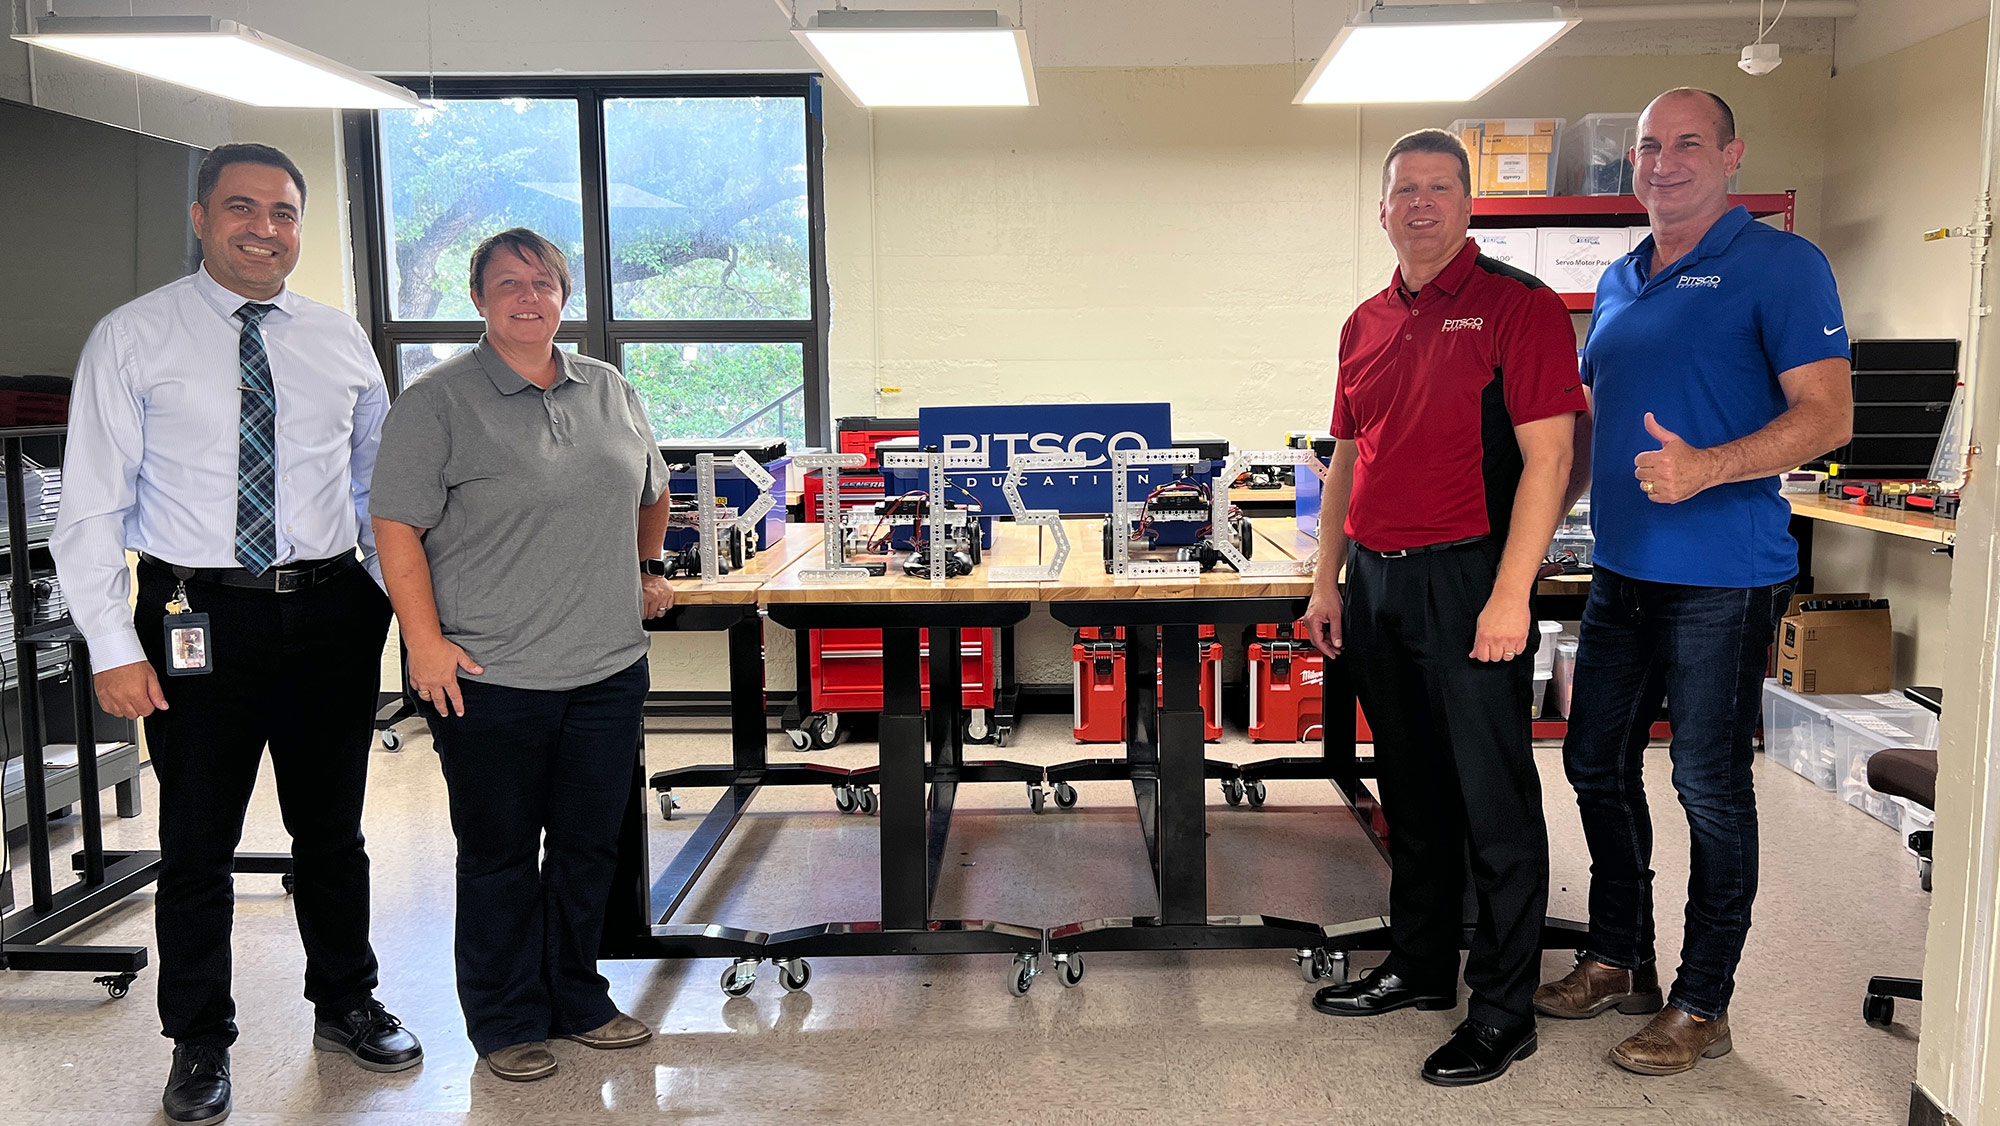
[[1759, 59]]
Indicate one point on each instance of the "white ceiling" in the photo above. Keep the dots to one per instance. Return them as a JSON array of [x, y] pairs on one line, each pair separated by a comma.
[[624, 36]]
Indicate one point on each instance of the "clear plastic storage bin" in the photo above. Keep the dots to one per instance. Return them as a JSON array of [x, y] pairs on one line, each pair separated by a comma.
[[1565, 675], [1857, 735], [1798, 729], [1592, 160]]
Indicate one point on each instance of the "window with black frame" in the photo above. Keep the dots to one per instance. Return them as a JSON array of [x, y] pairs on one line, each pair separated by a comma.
[[690, 208]]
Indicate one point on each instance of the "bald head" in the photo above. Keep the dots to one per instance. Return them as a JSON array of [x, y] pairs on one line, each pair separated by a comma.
[[1710, 103]]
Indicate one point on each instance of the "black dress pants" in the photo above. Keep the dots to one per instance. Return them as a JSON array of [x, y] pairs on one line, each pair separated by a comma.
[[297, 672], [1453, 751]]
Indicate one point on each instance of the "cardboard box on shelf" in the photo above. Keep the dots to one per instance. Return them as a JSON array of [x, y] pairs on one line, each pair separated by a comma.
[[1511, 156], [1833, 650], [1513, 245], [1570, 259]]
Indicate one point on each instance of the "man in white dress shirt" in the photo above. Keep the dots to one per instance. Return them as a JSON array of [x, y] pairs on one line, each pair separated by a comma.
[[224, 428]]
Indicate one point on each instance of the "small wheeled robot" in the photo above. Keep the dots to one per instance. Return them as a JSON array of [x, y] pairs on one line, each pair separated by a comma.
[[902, 524], [1176, 524], [683, 542]]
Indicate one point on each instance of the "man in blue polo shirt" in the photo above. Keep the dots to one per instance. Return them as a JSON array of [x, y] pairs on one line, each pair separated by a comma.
[[1717, 358]]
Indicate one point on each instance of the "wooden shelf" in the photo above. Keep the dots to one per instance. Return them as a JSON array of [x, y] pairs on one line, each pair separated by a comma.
[[1888, 521]]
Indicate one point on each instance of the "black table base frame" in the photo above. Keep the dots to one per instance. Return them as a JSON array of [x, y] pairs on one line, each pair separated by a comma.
[[1372, 934], [1216, 932], [872, 939]]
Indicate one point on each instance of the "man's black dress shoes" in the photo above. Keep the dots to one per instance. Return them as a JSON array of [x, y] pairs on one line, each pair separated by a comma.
[[374, 1037], [198, 1087], [1478, 1052], [1378, 991]]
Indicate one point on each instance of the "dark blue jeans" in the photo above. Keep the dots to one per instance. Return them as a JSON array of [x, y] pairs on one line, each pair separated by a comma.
[[539, 782], [1704, 649]]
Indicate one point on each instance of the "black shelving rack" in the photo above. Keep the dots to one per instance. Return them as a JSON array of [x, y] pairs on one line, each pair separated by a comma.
[[28, 935]]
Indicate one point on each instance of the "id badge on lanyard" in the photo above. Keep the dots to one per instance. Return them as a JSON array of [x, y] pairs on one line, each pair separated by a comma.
[[190, 649]]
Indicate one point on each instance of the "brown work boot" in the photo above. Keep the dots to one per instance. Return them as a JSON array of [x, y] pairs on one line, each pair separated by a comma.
[[1672, 1042], [1593, 987]]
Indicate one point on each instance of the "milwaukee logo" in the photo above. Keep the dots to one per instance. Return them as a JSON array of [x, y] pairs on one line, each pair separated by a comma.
[[1689, 281], [1308, 677], [1455, 323]]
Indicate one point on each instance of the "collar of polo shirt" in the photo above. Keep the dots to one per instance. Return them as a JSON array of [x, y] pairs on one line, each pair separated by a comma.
[[1451, 279], [1715, 241], [507, 381]]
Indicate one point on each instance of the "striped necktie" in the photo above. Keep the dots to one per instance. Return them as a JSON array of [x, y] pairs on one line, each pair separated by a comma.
[[256, 447]]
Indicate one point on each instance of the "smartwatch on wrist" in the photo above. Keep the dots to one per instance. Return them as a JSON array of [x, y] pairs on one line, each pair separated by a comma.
[[653, 567]]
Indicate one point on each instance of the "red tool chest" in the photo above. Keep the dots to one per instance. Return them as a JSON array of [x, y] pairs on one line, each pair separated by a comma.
[[847, 669], [859, 435], [1098, 707], [1286, 675]]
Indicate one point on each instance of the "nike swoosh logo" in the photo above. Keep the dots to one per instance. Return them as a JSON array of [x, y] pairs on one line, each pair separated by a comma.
[[1834, 329]]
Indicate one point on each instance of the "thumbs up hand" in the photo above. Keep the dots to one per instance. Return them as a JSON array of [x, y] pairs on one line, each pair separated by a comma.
[[1675, 471]]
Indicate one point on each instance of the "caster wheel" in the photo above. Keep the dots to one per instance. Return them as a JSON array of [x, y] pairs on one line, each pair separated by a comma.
[[1336, 967], [1065, 795], [1232, 791], [1257, 794], [1314, 964], [824, 730], [1924, 873], [739, 977], [864, 800], [1069, 969], [117, 985], [668, 803], [288, 882], [800, 740], [1878, 1010], [844, 799], [977, 730], [1026, 968], [1037, 798], [795, 974], [391, 741]]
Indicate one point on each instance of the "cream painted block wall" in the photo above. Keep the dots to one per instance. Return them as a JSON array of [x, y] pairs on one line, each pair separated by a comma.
[[1183, 234], [1902, 154]]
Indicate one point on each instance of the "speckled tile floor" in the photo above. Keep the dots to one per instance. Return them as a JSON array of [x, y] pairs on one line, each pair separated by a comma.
[[1210, 1037]]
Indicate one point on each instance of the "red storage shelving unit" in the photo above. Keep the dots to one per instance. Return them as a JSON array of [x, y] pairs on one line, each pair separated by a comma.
[[1602, 211]]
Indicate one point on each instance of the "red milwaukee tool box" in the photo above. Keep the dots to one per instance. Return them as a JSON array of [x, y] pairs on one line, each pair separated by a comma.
[[1098, 712]]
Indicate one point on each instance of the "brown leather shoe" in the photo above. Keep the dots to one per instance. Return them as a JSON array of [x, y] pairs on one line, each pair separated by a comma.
[[1593, 987], [620, 1031], [1671, 1043], [522, 1063]]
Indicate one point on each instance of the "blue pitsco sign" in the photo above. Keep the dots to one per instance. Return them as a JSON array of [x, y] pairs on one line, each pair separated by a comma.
[[1091, 430]]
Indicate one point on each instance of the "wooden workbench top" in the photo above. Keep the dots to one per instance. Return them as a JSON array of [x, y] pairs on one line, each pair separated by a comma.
[[1083, 577], [745, 586], [1889, 521], [1284, 494], [1013, 545]]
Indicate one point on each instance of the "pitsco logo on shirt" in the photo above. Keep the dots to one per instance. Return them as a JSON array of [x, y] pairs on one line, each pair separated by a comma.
[[1455, 323], [1689, 281]]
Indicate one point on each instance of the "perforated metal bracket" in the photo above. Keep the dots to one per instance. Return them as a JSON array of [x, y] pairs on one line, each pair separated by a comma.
[[760, 477], [1046, 518], [936, 466], [828, 466], [709, 540], [1222, 535], [1124, 513]]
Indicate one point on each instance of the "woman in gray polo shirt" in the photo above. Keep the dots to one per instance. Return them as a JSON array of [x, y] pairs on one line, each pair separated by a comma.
[[517, 489]]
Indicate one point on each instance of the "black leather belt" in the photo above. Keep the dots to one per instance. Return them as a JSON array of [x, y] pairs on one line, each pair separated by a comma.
[[288, 579], [1426, 549]]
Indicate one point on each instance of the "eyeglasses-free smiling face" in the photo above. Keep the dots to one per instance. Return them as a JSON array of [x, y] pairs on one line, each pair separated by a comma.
[[1681, 166], [1425, 208], [521, 299], [249, 229]]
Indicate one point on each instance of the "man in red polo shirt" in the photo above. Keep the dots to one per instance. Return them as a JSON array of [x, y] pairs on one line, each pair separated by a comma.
[[1456, 410]]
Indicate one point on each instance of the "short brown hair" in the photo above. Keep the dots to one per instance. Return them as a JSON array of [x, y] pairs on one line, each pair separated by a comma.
[[1439, 141], [222, 156], [528, 245]]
